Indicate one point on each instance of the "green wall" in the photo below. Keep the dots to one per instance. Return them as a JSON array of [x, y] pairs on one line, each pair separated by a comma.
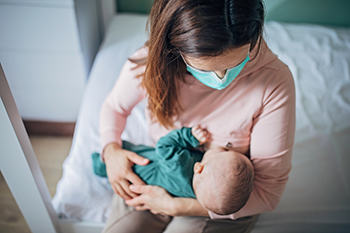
[[327, 12], [134, 6]]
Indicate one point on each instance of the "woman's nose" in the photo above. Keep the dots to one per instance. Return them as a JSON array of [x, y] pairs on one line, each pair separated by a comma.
[[220, 73]]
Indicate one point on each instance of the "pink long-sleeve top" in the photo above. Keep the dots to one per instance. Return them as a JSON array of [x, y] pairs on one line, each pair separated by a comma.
[[257, 110]]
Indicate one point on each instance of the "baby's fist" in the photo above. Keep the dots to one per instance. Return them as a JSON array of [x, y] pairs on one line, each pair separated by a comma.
[[201, 134]]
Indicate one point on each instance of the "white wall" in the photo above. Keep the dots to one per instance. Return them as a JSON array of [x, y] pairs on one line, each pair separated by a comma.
[[46, 49]]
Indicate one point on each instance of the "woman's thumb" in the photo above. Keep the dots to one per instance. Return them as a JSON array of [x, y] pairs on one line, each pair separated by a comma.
[[137, 159]]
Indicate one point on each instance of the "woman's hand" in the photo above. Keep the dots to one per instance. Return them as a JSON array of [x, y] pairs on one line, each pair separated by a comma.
[[158, 201], [152, 198], [119, 164]]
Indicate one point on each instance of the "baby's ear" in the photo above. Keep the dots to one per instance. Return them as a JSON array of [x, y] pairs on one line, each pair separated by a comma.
[[198, 168]]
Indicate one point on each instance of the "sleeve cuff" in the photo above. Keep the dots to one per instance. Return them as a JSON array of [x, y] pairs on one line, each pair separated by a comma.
[[216, 216], [106, 143]]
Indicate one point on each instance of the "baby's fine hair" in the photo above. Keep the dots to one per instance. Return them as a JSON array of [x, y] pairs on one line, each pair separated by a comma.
[[233, 185]]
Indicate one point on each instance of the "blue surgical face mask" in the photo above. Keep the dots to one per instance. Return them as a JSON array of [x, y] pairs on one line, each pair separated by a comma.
[[211, 79]]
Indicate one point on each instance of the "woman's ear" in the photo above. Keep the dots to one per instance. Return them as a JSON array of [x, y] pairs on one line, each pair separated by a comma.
[[198, 168]]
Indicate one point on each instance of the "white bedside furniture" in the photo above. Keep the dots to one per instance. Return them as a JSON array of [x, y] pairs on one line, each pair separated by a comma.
[[46, 49]]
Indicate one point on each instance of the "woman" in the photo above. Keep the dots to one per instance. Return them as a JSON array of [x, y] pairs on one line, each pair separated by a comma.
[[205, 63]]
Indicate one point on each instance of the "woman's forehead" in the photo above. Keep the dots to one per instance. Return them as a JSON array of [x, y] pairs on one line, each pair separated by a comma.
[[227, 60]]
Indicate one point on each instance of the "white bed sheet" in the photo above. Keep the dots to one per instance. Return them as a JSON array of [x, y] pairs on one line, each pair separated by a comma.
[[317, 196]]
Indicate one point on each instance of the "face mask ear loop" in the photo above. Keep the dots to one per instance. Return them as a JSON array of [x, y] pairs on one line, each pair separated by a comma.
[[184, 60]]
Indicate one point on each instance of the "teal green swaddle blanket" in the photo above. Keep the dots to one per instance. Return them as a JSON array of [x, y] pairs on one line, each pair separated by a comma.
[[171, 162]]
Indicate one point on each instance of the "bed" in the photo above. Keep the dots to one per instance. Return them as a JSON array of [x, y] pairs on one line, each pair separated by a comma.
[[317, 196]]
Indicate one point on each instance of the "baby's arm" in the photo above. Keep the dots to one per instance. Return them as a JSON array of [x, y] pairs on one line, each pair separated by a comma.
[[201, 134], [180, 139]]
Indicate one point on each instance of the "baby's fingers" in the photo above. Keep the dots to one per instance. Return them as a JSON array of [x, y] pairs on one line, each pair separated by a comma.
[[197, 130], [204, 138], [201, 134]]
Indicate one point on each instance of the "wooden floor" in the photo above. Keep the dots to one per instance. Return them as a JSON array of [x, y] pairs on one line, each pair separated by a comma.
[[50, 152]]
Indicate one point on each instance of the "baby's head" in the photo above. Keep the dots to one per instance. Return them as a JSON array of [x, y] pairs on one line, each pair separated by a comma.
[[223, 181]]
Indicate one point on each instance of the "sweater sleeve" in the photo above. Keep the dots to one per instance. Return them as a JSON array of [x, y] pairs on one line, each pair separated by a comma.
[[175, 159], [118, 104], [177, 140], [272, 139]]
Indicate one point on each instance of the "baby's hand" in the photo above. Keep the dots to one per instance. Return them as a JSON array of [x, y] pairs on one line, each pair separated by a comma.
[[202, 135]]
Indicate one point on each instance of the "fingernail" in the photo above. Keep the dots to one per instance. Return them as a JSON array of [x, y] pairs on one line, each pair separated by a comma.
[[132, 187]]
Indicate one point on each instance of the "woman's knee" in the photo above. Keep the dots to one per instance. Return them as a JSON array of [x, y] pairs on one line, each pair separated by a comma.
[[138, 221]]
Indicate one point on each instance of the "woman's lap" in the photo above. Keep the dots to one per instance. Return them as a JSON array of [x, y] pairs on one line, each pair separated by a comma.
[[207, 225], [125, 219]]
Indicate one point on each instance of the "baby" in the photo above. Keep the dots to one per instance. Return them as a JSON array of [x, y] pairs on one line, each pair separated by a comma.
[[221, 180]]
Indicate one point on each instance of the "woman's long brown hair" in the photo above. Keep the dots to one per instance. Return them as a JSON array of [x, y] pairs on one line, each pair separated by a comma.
[[193, 28]]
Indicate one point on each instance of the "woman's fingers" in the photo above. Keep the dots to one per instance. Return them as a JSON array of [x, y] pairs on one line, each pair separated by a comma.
[[136, 159], [141, 208], [134, 179], [153, 198], [136, 201], [119, 164], [115, 189], [125, 186], [141, 189], [121, 192]]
